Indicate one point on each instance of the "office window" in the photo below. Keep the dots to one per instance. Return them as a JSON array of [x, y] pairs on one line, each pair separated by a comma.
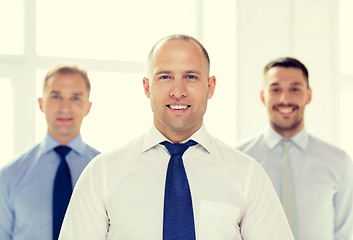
[[118, 31], [107, 29], [40, 123], [11, 27], [6, 120], [346, 120], [346, 75], [120, 111], [346, 36], [111, 39]]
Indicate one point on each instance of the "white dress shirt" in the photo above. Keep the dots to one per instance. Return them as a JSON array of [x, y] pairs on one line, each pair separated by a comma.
[[323, 177], [120, 195]]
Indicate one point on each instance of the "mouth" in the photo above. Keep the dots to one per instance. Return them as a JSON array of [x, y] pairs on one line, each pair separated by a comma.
[[179, 107], [286, 109], [61, 119]]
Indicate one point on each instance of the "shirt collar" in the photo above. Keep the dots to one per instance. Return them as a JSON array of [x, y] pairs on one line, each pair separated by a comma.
[[153, 137], [49, 143], [301, 139], [273, 138]]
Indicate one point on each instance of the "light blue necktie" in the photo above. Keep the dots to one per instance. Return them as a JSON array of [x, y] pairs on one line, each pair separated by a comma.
[[288, 190], [178, 218]]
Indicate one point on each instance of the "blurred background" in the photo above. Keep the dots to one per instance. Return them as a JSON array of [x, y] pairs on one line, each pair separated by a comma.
[[111, 40]]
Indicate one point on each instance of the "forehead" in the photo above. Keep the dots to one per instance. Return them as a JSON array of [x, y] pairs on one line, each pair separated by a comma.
[[66, 82], [178, 51], [285, 75]]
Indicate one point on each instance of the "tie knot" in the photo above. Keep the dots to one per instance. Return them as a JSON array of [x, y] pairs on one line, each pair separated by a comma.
[[62, 151], [286, 144], [178, 148]]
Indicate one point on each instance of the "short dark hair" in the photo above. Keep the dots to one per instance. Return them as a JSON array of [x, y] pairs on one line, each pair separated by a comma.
[[288, 62], [181, 37], [67, 68]]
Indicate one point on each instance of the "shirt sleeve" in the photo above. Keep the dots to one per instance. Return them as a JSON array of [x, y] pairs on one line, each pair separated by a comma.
[[6, 211], [343, 202], [86, 216], [264, 217]]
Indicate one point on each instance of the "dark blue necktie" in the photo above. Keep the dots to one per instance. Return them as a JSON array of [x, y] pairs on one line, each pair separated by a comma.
[[178, 218], [62, 190]]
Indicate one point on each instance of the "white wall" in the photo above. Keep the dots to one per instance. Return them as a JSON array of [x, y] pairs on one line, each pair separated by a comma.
[[241, 36], [306, 30]]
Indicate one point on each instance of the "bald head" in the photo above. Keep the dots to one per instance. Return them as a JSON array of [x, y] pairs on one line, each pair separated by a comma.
[[182, 37]]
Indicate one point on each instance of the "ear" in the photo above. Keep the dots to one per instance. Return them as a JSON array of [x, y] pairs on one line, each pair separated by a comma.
[[146, 87], [40, 104], [262, 96], [211, 86], [88, 108], [309, 96]]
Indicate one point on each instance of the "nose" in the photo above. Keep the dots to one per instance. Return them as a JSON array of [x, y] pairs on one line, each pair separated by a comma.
[[285, 97], [178, 88], [65, 105]]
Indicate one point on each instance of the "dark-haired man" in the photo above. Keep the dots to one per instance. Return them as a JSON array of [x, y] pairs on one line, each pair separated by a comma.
[[313, 179]]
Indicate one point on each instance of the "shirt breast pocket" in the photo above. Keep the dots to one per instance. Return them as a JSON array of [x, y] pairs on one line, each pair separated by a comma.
[[218, 221]]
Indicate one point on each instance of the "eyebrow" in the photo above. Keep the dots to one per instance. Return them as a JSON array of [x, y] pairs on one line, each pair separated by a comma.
[[169, 72], [292, 84], [74, 94], [296, 83], [163, 72], [193, 71]]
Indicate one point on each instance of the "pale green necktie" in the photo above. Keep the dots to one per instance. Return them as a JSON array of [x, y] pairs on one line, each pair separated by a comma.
[[288, 190]]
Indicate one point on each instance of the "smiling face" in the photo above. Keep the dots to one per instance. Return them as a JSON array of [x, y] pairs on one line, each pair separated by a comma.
[[65, 103], [285, 96], [179, 88]]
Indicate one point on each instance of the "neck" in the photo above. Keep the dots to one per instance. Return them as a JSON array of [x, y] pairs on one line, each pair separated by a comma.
[[177, 137], [287, 133], [63, 140]]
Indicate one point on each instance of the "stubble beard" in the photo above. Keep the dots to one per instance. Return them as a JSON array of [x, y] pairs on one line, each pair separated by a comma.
[[283, 127]]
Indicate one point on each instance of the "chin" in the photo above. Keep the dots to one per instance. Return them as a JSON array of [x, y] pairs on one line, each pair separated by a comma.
[[287, 126]]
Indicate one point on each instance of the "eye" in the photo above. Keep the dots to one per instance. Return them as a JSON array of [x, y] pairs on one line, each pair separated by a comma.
[[54, 96], [191, 77], [275, 90], [295, 89], [164, 77], [76, 98]]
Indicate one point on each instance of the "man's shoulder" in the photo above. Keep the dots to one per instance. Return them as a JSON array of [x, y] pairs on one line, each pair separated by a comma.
[[239, 164], [249, 143], [25, 158], [121, 152], [90, 151], [20, 164], [326, 149], [227, 150]]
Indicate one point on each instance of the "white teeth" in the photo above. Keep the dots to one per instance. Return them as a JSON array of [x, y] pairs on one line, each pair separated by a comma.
[[178, 107], [286, 109]]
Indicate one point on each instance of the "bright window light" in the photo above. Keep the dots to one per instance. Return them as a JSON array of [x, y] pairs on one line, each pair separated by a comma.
[[109, 29], [346, 120], [11, 27], [6, 120], [346, 36], [120, 111], [41, 125]]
